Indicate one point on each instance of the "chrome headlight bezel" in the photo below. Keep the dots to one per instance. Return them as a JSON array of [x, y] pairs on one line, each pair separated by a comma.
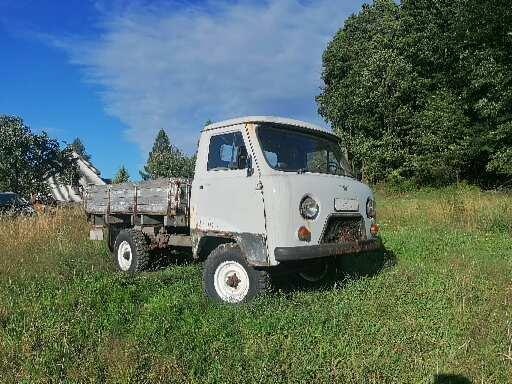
[[371, 208], [309, 208]]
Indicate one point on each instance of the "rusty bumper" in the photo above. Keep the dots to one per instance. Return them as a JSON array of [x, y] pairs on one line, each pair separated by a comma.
[[326, 250]]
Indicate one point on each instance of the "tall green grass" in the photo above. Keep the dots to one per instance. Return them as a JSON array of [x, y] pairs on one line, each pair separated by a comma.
[[442, 308]]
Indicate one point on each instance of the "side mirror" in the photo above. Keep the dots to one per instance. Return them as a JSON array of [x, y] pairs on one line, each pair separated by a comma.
[[250, 169]]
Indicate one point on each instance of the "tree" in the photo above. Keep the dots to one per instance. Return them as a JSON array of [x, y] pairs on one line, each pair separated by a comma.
[[122, 176], [79, 148], [165, 160], [422, 90], [27, 159]]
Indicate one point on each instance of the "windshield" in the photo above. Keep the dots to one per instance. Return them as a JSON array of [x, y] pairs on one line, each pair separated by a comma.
[[8, 198], [287, 149]]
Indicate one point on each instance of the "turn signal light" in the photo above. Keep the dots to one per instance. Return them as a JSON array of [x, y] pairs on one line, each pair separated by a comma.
[[374, 229], [304, 234]]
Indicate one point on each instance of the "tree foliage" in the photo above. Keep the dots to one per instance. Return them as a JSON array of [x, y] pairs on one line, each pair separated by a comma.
[[27, 159], [122, 176], [79, 148], [165, 160], [422, 90]]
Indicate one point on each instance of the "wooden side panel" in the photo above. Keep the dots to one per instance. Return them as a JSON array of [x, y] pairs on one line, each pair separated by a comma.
[[96, 199], [154, 196], [162, 197], [122, 198]]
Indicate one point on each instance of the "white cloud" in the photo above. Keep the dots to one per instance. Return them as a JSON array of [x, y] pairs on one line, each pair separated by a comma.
[[175, 65]]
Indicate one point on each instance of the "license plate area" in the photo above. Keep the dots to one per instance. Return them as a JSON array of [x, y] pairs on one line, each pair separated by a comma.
[[346, 205]]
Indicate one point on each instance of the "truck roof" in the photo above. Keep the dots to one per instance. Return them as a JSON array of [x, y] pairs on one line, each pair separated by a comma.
[[266, 119]]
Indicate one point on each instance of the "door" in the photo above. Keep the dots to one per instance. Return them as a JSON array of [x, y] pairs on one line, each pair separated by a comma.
[[229, 199]]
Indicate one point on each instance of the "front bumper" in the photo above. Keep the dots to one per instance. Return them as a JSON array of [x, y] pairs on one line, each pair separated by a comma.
[[325, 250]]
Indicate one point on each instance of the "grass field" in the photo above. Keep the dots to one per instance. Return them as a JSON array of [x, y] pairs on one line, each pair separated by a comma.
[[438, 312]]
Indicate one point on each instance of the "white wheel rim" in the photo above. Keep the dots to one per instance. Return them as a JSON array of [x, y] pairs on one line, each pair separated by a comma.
[[231, 282], [124, 256]]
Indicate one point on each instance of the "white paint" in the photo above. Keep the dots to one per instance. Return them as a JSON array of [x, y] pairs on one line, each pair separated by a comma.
[[264, 119], [226, 200], [230, 200]]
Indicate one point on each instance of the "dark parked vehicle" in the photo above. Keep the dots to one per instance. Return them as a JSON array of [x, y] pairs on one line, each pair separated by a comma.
[[11, 204]]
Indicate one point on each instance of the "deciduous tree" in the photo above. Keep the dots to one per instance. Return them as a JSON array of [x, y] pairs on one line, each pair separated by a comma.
[[27, 159], [422, 90]]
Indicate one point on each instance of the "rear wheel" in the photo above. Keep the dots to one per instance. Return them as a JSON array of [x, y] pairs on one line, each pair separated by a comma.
[[227, 277], [131, 251]]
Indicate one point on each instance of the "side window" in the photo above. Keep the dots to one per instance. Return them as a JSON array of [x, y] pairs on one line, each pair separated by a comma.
[[227, 151]]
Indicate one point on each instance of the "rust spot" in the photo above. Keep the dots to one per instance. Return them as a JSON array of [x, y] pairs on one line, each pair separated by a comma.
[[233, 281]]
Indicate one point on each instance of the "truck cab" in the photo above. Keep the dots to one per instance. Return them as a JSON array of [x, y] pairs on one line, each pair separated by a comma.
[[269, 191]]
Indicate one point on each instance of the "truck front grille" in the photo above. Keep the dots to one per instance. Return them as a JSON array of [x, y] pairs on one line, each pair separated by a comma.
[[340, 229]]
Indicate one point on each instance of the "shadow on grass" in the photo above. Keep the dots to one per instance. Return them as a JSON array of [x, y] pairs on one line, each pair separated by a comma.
[[162, 259], [285, 278], [342, 270], [451, 379]]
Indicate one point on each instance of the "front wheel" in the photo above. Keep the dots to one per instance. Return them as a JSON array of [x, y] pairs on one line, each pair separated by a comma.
[[227, 277]]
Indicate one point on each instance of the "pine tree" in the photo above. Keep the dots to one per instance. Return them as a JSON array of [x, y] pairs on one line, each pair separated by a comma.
[[79, 148], [165, 160], [122, 176]]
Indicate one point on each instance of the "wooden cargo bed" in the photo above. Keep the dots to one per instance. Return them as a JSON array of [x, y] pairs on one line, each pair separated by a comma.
[[168, 198]]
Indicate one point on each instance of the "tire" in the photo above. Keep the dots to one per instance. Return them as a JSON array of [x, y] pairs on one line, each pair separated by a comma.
[[131, 251], [316, 274], [228, 278], [112, 233]]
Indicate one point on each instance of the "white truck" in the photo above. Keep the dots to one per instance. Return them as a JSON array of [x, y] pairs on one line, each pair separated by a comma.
[[267, 192]]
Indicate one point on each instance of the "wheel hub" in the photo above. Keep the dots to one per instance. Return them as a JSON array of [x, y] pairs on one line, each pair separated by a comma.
[[231, 281], [124, 256]]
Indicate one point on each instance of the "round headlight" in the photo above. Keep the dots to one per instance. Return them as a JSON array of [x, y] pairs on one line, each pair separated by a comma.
[[371, 209], [309, 208]]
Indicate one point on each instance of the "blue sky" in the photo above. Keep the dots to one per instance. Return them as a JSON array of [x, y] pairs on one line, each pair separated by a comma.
[[114, 72]]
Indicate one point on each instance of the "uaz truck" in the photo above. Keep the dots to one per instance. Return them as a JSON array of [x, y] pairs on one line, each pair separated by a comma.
[[267, 193]]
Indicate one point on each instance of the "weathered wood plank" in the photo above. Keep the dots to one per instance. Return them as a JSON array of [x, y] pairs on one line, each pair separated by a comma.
[[166, 197]]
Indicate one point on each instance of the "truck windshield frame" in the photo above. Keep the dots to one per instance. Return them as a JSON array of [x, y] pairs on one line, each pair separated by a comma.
[[292, 149]]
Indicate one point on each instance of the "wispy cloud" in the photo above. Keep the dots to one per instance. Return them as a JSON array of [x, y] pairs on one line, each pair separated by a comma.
[[175, 65]]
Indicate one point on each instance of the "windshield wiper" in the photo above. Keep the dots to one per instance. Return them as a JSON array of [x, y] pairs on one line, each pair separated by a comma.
[[300, 171]]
